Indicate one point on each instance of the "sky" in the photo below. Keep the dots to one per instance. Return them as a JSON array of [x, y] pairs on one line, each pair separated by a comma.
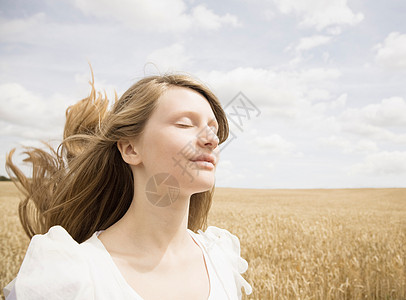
[[314, 90]]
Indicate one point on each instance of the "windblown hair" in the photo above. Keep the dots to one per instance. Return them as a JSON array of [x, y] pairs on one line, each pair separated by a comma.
[[84, 185]]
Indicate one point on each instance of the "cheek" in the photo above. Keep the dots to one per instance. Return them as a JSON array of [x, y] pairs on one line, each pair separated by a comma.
[[168, 143]]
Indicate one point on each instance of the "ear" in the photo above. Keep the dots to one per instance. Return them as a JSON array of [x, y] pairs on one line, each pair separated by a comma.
[[129, 152]]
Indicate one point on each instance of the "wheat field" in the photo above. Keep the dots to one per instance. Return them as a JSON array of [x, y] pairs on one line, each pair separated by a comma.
[[299, 244]]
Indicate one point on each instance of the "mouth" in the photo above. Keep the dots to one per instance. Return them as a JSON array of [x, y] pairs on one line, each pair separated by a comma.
[[205, 158]]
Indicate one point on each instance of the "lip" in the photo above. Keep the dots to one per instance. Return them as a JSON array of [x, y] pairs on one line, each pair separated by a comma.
[[204, 164], [205, 157]]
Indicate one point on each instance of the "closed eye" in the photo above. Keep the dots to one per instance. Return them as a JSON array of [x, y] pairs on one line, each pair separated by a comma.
[[184, 125]]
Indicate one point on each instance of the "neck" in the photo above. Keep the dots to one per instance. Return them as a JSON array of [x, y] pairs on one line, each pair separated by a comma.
[[147, 227]]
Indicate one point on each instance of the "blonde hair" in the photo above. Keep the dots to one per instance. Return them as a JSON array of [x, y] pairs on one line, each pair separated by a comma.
[[84, 185]]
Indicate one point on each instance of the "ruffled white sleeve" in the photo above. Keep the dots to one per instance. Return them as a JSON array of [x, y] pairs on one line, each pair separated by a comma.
[[230, 245], [53, 268]]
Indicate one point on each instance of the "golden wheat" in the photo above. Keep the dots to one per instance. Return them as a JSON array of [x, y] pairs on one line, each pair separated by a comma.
[[300, 244]]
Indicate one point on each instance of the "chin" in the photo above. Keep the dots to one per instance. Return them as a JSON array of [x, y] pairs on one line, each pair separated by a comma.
[[201, 183], [205, 185], [203, 189]]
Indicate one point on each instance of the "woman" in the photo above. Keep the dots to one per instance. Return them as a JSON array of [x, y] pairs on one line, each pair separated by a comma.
[[114, 210]]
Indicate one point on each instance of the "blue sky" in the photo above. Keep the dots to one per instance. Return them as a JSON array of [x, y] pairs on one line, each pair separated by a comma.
[[326, 76]]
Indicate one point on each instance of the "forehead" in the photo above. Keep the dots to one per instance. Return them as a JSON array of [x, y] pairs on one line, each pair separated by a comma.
[[177, 100]]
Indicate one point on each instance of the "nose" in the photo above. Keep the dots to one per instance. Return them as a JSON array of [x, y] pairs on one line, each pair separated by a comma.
[[207, 138]]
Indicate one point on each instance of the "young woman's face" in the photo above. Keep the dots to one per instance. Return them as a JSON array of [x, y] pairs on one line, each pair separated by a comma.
[[182, 129]]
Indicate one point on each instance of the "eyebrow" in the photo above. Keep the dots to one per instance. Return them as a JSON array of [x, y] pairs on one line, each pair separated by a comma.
[[193, 113]]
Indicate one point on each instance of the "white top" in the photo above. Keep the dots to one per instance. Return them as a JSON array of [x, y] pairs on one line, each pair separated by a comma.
[[57, 267]]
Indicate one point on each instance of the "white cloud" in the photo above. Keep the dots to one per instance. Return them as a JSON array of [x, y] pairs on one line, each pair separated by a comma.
[[320, 74], [332, 105], [319, 13], [206, 19], [156, 15], [325, 56], [272, 144], [11, 30], [306, 44], [340, 102], [30, 133], [30, 116], [316, 94], [225, 164], [41, 31], [226, 175], [311, 42], [373, 132], [392, 53], [390, 112], [270, 165], [268, 14], [335, 30], [159, 15], [383, 121], [20, 104], [382, 163], [282, 93], [171, 58], [349, 146], [296, 60]]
